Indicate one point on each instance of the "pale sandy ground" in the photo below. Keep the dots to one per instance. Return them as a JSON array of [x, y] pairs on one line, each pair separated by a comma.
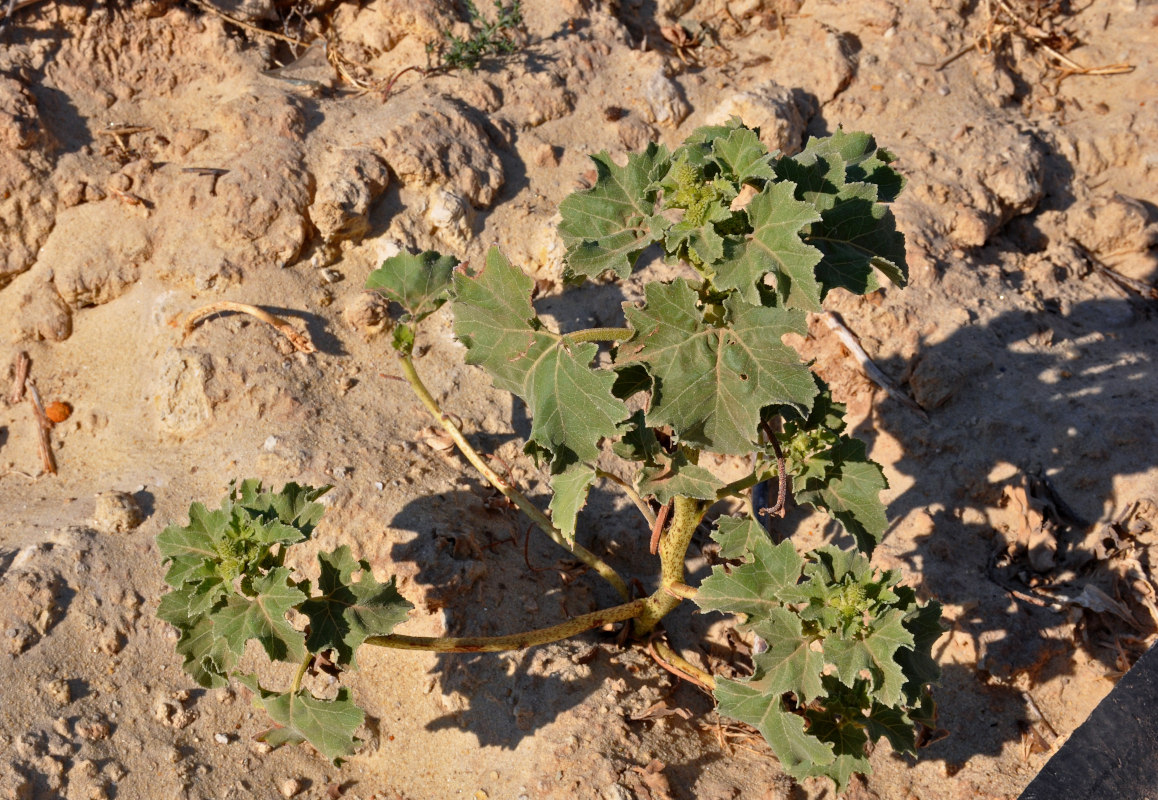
[[1036, 370]]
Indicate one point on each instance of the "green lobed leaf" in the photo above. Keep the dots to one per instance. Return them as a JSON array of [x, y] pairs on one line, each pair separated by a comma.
[[293, 506], [346, 612], [710, 383], [774, 248], [607, 227], [846, 178], [743, 157], [799, 752], [754, 587], [873, 652], [818, 179], [570, 488], [737, 536], [863, 160], [207, 657], [855, 235], [894, 725], [494, 318], [263, 617], [571, 403], [419, 283], [676, 476], [328, 725], [192, 548], [850, 493], [203, 596], [848, 739], [790, 664]]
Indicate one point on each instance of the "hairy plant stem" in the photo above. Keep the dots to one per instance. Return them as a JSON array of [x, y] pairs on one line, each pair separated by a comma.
[[673, 547], [511, 493], [517, 641], [673, 662]]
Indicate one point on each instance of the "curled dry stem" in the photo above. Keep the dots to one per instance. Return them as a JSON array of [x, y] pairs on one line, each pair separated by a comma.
[[506, 489], [300, 341]]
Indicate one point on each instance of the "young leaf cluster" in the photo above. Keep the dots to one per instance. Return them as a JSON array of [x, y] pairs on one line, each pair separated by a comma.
[[229, 584], [487, 38], [848, 658]]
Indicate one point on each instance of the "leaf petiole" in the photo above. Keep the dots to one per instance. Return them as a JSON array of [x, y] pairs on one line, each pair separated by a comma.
[[605, 570], [629, 490], [301, 673], [599, 335]]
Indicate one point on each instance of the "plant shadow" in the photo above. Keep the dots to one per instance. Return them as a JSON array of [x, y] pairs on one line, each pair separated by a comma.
[[1043, 417], [486, 578]]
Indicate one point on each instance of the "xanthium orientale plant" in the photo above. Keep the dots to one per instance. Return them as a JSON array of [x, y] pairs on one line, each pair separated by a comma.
[[842, 653]]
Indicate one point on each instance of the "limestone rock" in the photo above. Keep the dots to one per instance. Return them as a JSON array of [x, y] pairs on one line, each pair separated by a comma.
[[349, 185], [665, 100], [1113, 224], [116, 512], [97, 252], [29, 605], [439, 143], [773, 109], [27, 199]]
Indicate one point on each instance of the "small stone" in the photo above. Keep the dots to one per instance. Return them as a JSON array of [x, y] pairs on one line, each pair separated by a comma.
[[290, 787], [59, 691], [547, 155], [367, 312], [93, 729], [116, 512], [221, 738]]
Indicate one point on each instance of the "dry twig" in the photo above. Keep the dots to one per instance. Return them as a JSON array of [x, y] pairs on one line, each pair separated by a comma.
[[1036, 27], [20, 368], [247, 26], [43, 427], [852, 344], [300, 341]]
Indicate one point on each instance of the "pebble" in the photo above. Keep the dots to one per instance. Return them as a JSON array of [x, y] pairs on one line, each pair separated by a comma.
[[116, 512], [221, 738], [290, 787]]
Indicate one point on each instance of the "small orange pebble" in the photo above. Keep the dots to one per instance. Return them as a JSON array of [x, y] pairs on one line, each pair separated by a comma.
[[58, 411]]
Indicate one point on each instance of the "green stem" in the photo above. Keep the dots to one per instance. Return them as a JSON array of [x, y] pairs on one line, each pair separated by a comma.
[[600, 335], [738, 487], [672, 661], [673, 547], [682, 591], [510, 492], [629, 490], [517, 641], [301, 673]]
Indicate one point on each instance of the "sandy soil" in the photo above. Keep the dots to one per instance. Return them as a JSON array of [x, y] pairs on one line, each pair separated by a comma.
[[155, 158]]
